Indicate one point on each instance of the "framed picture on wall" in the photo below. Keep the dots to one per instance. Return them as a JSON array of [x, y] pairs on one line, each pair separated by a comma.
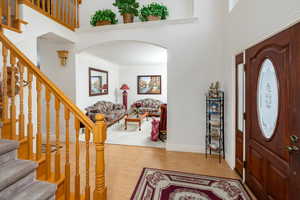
[[98, 82], [149, 84]]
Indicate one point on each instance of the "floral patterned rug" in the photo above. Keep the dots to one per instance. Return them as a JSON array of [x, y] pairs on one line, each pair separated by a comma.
[[155, 184]]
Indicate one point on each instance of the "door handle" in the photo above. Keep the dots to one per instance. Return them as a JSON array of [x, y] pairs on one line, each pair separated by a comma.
[[293, 149]]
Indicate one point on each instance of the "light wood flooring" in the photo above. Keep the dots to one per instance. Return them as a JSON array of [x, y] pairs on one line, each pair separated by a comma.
[[124, 165]]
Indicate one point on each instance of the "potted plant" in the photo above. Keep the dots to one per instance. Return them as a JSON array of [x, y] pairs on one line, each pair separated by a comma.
[[103, 17], [128, 9], [153, 12]]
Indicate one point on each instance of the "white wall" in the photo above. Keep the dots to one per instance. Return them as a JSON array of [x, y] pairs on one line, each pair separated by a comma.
[[63, 76], [83, 62], [128, 75], [177, 9], [249, 23], [195, 59]]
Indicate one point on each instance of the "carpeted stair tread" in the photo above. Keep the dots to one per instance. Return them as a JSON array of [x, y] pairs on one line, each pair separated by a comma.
[[14, 170], [7, 192], [4, 158], [36, 191], [7, 146]]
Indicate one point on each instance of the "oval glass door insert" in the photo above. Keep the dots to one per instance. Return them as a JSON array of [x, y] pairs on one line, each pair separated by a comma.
[[267, 99]]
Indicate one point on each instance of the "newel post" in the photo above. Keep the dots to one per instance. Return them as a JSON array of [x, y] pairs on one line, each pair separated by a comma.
[[99, 138]]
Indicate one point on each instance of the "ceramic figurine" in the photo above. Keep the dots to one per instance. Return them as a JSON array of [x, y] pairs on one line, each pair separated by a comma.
[[214, 89]]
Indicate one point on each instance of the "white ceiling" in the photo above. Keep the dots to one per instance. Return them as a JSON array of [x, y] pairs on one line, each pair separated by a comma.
[[130, 53]]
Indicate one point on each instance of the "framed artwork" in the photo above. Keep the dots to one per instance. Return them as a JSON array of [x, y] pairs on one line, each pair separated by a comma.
[[149, 84], [98, 82]]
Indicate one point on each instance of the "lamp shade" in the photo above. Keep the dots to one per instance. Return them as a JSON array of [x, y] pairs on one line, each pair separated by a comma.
[[124, 87], [105, 87]]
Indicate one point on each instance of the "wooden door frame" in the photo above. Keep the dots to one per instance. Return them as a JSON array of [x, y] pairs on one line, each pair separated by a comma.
[[295, 157], [239, 59]]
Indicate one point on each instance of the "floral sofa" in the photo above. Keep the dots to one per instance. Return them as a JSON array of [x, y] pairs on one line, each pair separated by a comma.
[[152, 106], [112, 112]]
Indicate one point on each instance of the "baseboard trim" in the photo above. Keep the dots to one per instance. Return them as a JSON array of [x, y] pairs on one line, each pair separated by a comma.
[[185, 148]]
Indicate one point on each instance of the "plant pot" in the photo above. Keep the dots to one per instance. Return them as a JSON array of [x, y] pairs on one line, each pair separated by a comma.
[[128, 18], [102, 23], [153, 18]]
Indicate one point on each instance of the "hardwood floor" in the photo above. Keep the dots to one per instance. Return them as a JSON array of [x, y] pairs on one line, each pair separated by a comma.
[[124, 165]]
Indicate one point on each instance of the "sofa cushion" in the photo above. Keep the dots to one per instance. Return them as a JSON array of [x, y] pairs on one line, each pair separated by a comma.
[[109, 106], [152, 106], [118, 107], [149, 103], [103, 106], [99, 107]]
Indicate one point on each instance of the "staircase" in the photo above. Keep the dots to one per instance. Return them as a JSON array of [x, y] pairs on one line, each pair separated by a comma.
[[31, 106], [17, 177]]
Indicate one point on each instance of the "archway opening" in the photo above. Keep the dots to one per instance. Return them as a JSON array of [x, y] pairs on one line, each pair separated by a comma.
[[136, 78]]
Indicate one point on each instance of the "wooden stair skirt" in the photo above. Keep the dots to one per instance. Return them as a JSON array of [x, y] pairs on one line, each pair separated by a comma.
[[69, 167]]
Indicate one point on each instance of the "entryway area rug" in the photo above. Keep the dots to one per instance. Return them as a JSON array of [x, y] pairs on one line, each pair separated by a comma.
[[155, 184]]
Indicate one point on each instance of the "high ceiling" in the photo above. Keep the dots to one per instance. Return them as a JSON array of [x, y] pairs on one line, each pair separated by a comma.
[[130, 53]]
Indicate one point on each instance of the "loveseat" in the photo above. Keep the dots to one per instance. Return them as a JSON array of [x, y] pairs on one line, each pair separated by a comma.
[[152, 106], [112, 112]]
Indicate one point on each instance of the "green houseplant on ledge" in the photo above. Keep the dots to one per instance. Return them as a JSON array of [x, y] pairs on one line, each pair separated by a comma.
[[128, 9], [153, 12], [103, 17]]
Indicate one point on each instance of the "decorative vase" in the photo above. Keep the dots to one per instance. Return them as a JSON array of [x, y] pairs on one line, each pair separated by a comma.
[[102, 23], [128, 18], [153, 18]]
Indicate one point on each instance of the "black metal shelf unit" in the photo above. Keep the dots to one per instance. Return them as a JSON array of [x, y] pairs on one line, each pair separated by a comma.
[[214, 141]]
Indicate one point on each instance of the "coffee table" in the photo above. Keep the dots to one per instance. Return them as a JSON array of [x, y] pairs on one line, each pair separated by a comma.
[[135, 118]]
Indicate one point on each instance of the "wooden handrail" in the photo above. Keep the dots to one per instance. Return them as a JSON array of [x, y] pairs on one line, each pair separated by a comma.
[[73, 108], [64, 12]]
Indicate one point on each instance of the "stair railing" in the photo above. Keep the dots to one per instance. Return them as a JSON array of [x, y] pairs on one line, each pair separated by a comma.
[[22, 81], [9, 15], [64, 12]]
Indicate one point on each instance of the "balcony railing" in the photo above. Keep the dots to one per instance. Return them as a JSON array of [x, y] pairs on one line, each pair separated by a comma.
[[9, 15], [64, 12]]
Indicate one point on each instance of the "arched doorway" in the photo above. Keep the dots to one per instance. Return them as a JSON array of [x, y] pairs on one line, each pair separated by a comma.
[[142, 68]]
